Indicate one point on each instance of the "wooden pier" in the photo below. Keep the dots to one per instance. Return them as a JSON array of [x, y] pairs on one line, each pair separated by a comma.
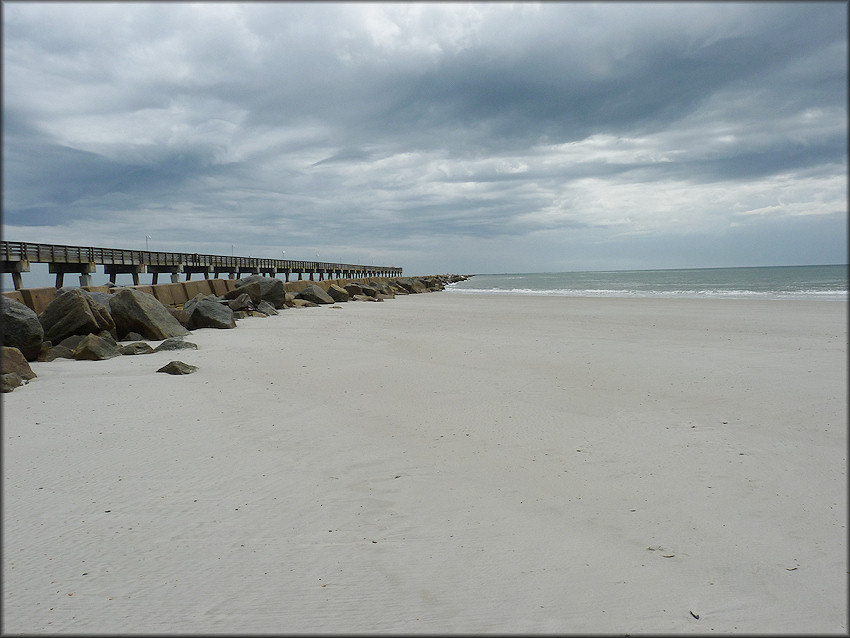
[[16, 258]]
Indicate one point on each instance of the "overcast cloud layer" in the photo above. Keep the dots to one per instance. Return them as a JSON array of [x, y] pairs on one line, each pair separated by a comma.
[[437, 137]]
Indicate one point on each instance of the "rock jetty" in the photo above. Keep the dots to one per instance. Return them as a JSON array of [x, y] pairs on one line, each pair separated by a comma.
[[96, 325]]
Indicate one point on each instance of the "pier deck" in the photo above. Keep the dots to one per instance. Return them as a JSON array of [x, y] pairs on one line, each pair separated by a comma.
[[16, 257]]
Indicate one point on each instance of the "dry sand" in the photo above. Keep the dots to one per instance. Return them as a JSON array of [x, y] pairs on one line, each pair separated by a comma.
[[442, 463]]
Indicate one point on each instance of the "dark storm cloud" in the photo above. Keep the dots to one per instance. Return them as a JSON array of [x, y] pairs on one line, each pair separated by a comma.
[[366, 125]]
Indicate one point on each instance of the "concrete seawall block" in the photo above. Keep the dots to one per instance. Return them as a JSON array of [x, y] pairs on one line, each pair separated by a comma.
[[39, 298], [219, 286], [143, 288], [17, 295], [201, 286], [176, 291], [163, 294]]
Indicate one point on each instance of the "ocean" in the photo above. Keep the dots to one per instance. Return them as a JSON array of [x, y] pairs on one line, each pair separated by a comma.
[[827, 283]]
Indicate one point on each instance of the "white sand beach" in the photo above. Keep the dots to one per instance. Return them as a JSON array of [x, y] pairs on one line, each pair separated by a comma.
[[442, 463]]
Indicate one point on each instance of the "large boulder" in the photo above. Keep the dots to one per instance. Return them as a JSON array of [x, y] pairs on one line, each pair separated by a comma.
[[70, 342], [177, 367], [267, 308], [21, 328], [61, 350], [10, 380], [337, 293], [397, 288], [271, 289], [100, 297], [353, 289], [74, 312], [369, 290], [139, 347], [252, 289], [13, 360], [208, 312], [242, 302], [315, 294], [178, 313], [95, 348], [433, 283], [412, 285], [383, 288], [135, 311], [175, 343]]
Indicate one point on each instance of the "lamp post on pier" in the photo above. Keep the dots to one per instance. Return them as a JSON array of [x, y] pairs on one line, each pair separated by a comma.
[[147, 237]]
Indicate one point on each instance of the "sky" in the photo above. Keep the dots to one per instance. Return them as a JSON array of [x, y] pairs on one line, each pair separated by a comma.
[[438, 137]]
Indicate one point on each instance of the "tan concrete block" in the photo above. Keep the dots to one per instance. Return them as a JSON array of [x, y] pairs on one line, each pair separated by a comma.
[[219, 286], [297, 286], [177, 292], [201, 286], [147, 288], [39, 298], [17, 295], [163, 292]]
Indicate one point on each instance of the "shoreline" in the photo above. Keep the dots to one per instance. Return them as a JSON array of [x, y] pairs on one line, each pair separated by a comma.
[[806, 297], [441, 463]]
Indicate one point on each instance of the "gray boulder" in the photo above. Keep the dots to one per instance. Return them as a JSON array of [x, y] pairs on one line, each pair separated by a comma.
[[63, 350], [71, 342], [241, 302], [290, 300], [433, 284], [57, 352], [177, 313], [74, 313], [315, 294], [267, 308], [253, 290], [103, 334], [13, 360], [383, 288], [337, 293], [353, 289], [208, 312], [176, 343], [271, 289], [412, 285], [95, 348], [10, 380], [139, 347], [177, 367], [369, 289], [135, 311], [100, 297], [21, 328], [132, 336]]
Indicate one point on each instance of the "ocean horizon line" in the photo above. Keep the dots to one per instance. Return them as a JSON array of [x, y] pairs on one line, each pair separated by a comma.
[[615, 270], [811, 281]]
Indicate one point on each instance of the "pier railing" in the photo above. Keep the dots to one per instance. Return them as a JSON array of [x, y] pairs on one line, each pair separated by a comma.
[[16, 257]]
